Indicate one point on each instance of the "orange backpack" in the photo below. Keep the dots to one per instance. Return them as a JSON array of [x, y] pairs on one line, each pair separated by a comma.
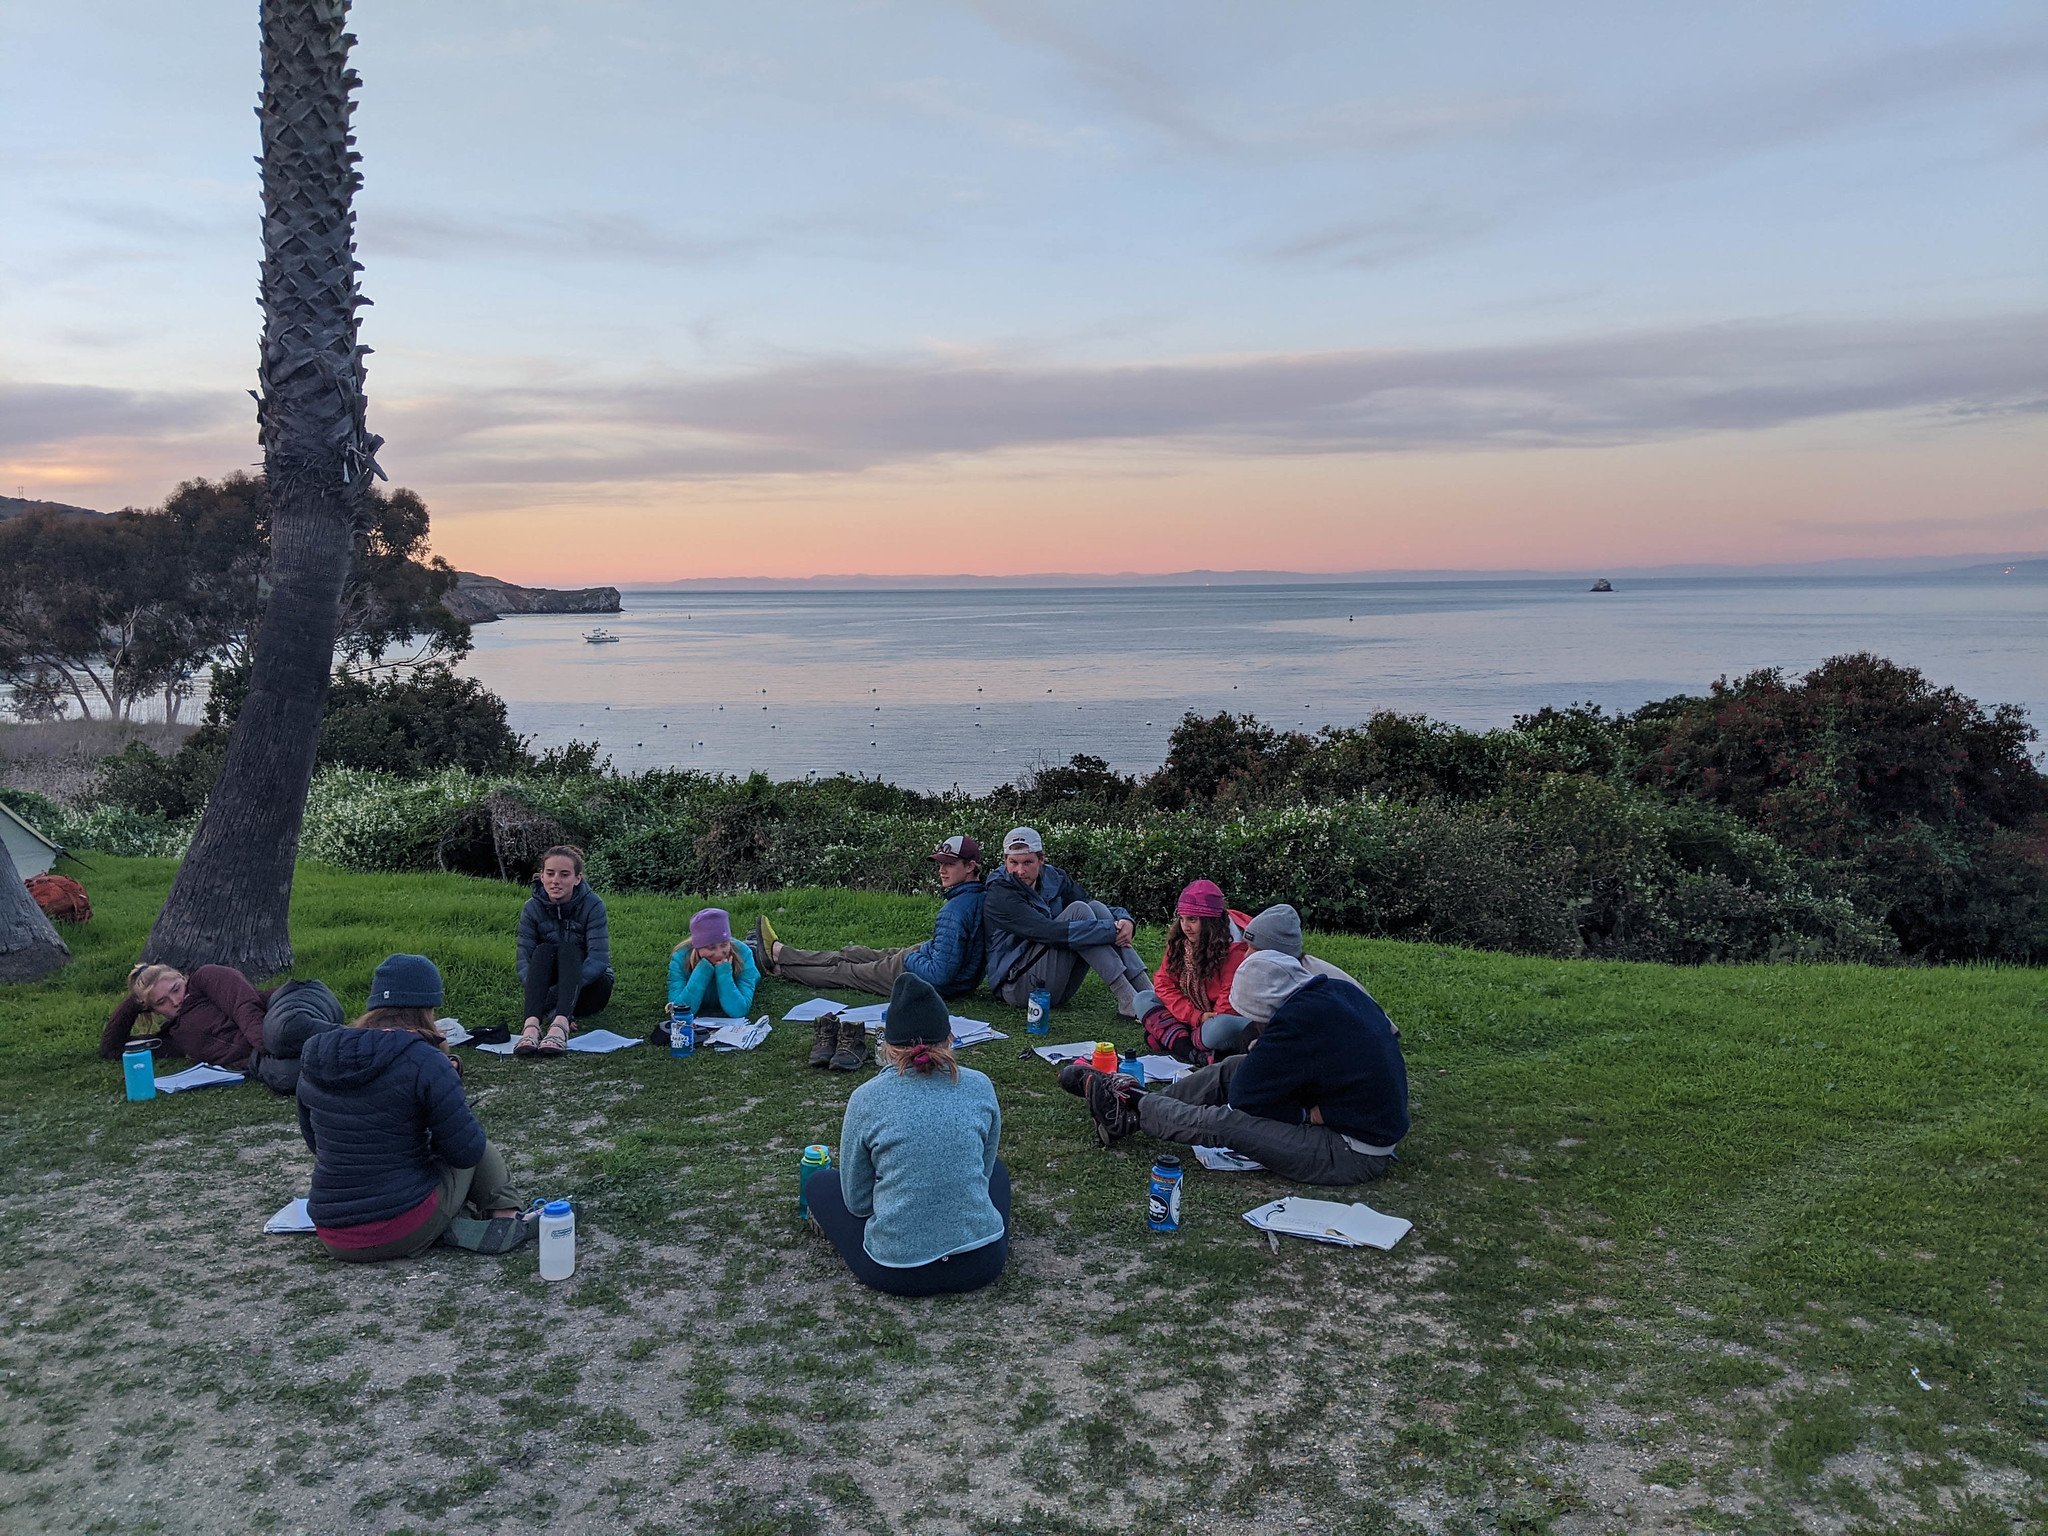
[[62, 899]]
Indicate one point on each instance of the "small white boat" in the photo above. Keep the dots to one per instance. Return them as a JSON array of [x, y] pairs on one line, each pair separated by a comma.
[[601, 637]]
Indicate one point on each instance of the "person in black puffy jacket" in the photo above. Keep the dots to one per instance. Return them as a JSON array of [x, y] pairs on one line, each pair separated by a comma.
[[564, 954], [397, 1155]]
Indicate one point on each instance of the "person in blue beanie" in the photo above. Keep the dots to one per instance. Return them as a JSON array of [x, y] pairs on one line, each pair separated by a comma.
[[920, 1203], [398, 1159]]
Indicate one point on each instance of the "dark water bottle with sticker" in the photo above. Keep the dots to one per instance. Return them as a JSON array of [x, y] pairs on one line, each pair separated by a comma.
[[1162, 1199]]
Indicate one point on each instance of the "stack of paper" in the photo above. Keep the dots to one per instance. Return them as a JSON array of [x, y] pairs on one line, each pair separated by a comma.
[[1223, 1160], [201, 1076], [293, 1218], [1326, 1221], [968, 1032], [734, 1034], [1163, 1069], [452, 1031]]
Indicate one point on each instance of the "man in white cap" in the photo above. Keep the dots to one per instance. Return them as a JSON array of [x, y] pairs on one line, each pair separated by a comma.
[[1045, 931], [1321, 1097]]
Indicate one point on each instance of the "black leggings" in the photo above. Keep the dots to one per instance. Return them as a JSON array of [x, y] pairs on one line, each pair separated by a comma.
[[554, 984], [968, 1271]]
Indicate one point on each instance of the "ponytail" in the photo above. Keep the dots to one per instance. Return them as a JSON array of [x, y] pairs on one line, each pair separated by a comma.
[[922, 1058]]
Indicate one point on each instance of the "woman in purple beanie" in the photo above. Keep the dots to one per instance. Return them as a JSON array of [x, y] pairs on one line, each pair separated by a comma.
[[710, 974]]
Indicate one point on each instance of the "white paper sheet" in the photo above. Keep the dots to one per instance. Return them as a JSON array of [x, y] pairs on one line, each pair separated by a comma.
[[735, 1034], [597, 1042], [1326, 1221], [1223, 1160], [1163, 1069], [452, 1031], [204, 1075], [816, 1008], [293, 1218], [1059, 1053]]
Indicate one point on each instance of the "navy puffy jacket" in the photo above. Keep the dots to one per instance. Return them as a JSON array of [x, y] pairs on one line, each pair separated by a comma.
[[1021, 920], [582, 918], [384, 1113], [952, 958]]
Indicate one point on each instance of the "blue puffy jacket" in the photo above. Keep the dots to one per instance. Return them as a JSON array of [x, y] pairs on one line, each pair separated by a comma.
[[1022, 920], [952, 958], [383, 1111]]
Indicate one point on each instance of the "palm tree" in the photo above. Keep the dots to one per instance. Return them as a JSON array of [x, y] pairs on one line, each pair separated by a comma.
[[29, 946], [230, 903]]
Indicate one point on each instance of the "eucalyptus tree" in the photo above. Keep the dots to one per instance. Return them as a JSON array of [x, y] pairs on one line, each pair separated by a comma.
[[230, 903]]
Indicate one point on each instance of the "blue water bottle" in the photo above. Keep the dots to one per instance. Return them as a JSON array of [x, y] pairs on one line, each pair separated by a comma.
[[1134, 1068], [1038, 1012], [138, 1072], [1162, 1200], [682, 1031]]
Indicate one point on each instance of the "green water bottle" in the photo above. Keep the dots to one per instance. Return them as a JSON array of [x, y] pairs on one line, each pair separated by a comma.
[[816, 1159]]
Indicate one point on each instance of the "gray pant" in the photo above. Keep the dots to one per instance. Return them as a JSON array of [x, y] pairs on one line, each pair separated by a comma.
[[853, 969], [1196, 1110], [1061, 971]]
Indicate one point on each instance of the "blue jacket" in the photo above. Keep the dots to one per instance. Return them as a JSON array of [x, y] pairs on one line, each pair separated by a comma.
[[581, 917], [1021, 920], [915, 1156], [710, 990], [384, 1113], [952, 958], [1329, 1046]]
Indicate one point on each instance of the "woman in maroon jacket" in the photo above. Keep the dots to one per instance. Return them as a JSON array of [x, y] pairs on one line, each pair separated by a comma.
[[212, 1015]]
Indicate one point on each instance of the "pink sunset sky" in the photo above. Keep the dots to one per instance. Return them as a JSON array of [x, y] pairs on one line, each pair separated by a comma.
[[1001, 288]]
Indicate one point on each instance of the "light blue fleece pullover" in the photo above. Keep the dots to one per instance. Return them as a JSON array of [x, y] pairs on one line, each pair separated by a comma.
[[915, 1156]]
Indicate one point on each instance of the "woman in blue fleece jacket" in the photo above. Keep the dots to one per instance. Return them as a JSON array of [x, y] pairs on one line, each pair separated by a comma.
[[710, 974], [397, 1155], [920, 1203]]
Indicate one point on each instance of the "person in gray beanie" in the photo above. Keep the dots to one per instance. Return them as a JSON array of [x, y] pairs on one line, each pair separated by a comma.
[[1320, 1097], [1279, 928], [920, 1203]]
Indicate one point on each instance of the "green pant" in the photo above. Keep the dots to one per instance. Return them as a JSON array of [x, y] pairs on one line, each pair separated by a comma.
[[485, 1188], [855, 968]]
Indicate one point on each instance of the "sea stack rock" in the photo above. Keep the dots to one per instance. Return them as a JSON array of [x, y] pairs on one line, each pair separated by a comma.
[[1602, 585]]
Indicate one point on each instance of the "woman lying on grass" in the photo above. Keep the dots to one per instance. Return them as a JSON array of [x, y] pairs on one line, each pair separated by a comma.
[[212, 1015], [920, 1203], [710, 974], [399, 1162], [565, 954]]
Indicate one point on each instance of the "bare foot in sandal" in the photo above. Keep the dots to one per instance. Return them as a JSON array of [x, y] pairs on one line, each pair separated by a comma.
[[556, 1041], [529, 1039]]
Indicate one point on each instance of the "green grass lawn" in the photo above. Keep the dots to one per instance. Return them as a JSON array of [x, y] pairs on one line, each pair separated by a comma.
[[1683, 1239]]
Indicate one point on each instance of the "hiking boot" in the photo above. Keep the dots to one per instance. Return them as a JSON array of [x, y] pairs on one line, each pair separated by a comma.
[[852, 1054], [824, 1038], [1074, 1077], [762, 942], [1112, 1104]]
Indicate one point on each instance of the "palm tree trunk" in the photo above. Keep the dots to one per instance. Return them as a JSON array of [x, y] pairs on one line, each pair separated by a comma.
[[230, 903], [29, 946]]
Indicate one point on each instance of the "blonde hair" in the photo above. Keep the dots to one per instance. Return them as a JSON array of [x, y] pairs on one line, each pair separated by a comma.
[[416, 1021], [145, 976], [920, 1058]]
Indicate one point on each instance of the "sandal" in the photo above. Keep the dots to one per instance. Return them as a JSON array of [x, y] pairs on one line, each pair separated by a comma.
[[529, 1041], [555, 1042]]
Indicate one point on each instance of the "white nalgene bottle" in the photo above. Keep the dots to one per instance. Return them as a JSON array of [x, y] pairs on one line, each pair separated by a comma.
[[557, 1240]]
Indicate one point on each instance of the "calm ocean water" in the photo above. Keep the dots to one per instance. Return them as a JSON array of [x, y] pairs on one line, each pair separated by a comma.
[[936, 688]]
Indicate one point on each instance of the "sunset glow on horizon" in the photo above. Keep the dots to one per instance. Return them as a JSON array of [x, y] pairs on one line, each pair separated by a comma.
[[1004, 289]]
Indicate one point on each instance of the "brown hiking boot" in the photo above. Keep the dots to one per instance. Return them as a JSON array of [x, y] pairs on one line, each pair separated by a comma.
[[824, 1038], [852, 1054]]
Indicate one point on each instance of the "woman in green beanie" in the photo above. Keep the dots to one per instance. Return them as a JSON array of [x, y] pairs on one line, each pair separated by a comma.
[[920, 1203]]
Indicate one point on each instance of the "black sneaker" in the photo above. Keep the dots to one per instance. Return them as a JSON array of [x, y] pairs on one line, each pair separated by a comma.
[[1112, 1104], [852, 1054], [1074, 1077], [824, 1038]]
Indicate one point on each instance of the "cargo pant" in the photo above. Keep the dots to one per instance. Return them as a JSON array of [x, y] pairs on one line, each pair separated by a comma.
[[852, 969], [485, 1188], [1196, 1110]]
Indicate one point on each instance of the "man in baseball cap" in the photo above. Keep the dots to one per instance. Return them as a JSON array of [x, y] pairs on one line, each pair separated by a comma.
[[951, 959], [1045, 931]]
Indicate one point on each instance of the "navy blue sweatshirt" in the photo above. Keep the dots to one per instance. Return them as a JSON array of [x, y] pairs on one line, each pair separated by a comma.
[[1329, 1046], [383, 1111]]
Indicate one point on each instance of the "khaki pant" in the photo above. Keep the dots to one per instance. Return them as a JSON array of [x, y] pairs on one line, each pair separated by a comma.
[[487, 1187], [852, 969]]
